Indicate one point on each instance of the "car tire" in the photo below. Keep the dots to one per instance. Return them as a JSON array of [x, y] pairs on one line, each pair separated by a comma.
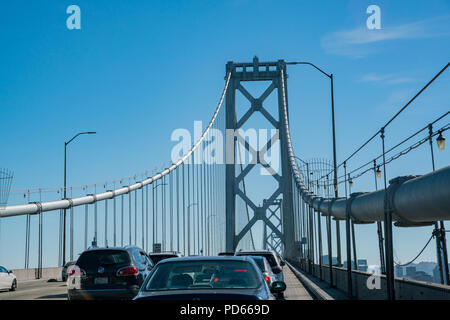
[[13, 285]]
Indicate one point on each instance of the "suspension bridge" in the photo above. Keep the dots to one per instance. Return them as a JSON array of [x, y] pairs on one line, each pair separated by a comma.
[[200, 204]]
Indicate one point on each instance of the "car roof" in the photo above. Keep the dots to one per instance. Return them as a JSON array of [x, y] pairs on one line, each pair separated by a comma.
[[258, 257], [208, 258], [163, 253], [247, 252], [126, 248]]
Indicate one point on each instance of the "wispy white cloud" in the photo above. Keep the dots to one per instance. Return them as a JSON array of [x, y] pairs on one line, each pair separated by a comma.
[[355, 42], [386, 79], [394, 100]]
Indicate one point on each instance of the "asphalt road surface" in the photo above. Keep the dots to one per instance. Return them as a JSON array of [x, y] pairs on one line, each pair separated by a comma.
[[37, 290], [43, 290]]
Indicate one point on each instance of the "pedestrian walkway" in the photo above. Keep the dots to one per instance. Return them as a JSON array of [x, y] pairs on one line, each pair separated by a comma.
[[294, 288]]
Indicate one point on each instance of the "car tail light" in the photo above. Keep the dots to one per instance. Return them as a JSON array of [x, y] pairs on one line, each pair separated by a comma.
[[267, 278], [216, 280], [240, 270], [77, 272], [128, 271]]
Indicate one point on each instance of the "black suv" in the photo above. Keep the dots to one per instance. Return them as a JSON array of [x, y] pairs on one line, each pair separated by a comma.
[[109, 273]]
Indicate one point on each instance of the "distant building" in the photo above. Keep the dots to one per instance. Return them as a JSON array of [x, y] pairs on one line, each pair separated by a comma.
[[423, 271], [353, 264], [399, 271], [410, 272], [362, 265], [436, 275], [326, 260]]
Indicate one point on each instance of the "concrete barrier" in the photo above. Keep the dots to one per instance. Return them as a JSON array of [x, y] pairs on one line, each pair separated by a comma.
[[405, 289], [32, 274]]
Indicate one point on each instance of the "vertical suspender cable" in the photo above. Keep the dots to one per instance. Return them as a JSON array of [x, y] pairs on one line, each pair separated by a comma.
[[115, 222], [121, 220], [86, 222], [178, 209], [184, 213], [171, 209], [106, 222], [135, 217], [129, 218], [143, 218], [146, 217]]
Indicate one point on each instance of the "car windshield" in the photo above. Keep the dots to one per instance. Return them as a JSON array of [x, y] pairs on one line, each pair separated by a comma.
[[158, 257], [201, 275], [270, 258], [102, 258]]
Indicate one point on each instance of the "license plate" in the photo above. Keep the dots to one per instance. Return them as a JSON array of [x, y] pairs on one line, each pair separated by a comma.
[[103, 280]]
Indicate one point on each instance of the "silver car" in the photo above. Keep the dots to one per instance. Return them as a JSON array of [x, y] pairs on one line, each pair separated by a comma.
[[271, 257]]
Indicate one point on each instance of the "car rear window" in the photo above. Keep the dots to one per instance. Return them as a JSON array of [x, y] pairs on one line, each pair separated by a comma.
[[201, 275], [103, 257], [270, 258], [259, 261]]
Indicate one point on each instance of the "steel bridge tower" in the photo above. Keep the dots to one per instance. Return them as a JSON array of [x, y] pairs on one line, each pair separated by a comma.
[[258, 71]]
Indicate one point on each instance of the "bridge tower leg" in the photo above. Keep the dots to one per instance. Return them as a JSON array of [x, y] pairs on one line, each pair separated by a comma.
[[257, 71], [230, 170]]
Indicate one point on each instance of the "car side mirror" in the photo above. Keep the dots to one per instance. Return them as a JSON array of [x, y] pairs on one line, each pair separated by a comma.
[[10, 271], [277, 287]]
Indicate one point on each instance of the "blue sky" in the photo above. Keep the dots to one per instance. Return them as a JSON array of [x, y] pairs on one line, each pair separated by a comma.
[[137, 70]]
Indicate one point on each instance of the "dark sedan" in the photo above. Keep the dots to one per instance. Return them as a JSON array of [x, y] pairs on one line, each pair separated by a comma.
[[208, 278], [108, 273]]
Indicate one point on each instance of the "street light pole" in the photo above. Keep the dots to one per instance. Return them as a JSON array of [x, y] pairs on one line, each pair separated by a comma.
[[330, 76], [336, 194], [155, 214], [65, 190]]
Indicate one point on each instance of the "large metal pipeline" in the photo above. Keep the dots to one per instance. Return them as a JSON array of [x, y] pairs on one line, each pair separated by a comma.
[[414, 200]]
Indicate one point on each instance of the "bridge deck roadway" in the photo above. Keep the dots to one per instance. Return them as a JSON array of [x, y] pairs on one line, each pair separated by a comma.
[[43, 290], [37, 290]]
